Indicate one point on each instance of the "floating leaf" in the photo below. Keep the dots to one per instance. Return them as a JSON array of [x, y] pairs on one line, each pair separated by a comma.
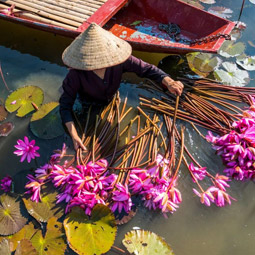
[[194, 3], [247, 63], [25, 247], [97, 232], [23, 98], [6, 128], [53, 242], [251, 44], [25, 233], [46, 122], [47, 208], [232, 75], [231, 49], [221, 11], [126, 218], [190, 58], [3, 113], [208, 1], [141, 242], [135, 23], [205, 62], [5, 247], [11, 220]]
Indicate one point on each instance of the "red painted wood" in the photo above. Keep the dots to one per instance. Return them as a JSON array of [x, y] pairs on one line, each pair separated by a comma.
[[146, 36], [103, 14]]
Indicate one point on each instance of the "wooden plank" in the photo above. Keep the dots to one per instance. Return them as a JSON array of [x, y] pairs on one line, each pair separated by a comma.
[[88, 3], [28, 15], [71, 6], [48, 9], [65, 11], [42, 13]]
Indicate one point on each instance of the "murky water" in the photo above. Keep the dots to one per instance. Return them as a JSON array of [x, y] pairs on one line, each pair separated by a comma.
[[30, 57]]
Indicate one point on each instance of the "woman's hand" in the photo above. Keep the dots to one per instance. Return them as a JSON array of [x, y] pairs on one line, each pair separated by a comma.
[[77, 143], [174, 87]]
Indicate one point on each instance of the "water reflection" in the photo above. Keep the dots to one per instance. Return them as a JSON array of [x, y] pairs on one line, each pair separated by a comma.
[[30, 57]]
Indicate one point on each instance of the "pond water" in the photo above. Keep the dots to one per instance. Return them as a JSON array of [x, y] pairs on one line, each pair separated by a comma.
[[30, 57]]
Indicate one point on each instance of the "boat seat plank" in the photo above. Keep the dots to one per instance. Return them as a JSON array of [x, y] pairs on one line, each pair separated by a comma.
[[72, 13]]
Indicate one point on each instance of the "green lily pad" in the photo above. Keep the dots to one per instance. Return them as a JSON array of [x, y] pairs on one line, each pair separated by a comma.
[[47, 208], [46, 122], [53, 242], [90, 236], [3, 113], [206, 62], [11, 219], [25, 247], [5, 247], [247, 63], [190, 58], [232, 75], [221, 11], [231, 49], [22, 100], [141, 242], [25, 233]]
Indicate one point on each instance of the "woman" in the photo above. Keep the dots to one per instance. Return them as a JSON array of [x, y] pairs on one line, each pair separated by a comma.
[[97, 60]]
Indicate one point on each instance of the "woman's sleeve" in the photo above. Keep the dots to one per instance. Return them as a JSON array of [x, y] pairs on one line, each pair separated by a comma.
[[70, 89], [143, 69]]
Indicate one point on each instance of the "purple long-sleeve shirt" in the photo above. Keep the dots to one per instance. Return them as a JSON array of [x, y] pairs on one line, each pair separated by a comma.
[[90, 87]]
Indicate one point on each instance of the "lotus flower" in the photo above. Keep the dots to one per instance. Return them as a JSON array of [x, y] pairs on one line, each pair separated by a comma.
[[27, 150], [34, 186]]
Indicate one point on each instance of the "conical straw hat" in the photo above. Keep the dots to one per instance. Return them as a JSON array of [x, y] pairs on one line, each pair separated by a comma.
[[96, 48]]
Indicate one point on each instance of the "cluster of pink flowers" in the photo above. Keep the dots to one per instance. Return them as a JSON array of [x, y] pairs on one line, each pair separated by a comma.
[[214, 194], [156, 187], [91, 184], [237, 149]]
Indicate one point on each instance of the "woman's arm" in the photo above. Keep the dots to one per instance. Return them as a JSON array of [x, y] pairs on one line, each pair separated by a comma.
[[143, 69]]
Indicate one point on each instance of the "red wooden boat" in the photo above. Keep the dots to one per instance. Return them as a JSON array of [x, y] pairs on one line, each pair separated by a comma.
[[146, 24]]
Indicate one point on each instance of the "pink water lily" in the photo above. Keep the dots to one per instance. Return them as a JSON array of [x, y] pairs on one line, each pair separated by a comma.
[[34, 188], [26, 149], [121, 199], [198, 172], [6, 184]]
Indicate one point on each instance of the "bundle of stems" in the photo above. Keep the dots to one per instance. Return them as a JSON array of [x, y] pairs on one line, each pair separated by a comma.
[[204, 102], [127, 145]]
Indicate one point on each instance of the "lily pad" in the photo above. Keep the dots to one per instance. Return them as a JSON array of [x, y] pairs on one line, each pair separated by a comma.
[[53, 242], [6, 128], [46, 122], [221, 11], [11, 219], [247, 63], [232, 75], [194, 3], [25, 247], [90, 236], [141, 242], [47, 208], [208, 1], [5, 247], [206, 62], [22, 100], [231, 49], [3, 113], [190, 58], [25, 233]]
